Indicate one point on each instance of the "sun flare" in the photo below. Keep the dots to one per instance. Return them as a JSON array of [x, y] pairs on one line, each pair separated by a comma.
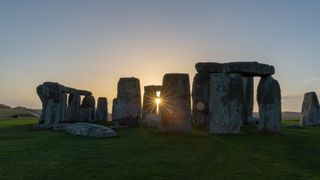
[[158, 101]]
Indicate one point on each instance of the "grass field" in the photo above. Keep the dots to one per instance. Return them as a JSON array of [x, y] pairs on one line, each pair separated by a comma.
[[148, 154]]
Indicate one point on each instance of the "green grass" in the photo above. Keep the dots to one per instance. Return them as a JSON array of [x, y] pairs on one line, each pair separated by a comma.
[[148, 154]]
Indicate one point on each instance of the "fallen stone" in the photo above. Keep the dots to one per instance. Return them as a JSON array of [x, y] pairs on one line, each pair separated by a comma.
[[310, 110], [90, 130], [175, 109], [269, 101], [226, 103], [243, 68]]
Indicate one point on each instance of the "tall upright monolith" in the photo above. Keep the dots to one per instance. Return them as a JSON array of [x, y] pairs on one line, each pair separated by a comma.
[[269, 101], [226, 103], [310, 110], [175, 109], [102, 109], [127, 105]]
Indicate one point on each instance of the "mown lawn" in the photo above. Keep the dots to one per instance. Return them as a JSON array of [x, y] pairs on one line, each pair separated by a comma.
[[147, 154]]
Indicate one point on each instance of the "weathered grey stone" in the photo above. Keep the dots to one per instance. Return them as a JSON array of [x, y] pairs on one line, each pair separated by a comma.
[[243, 68], [226, 103], [74, 107], [269, 101], [149, 108], [175, 109], [310, 110], [88, 107], [200, 99], [127, 105], [54, 102], [102, 109], [151, 121], [247, 99], [90, 130]]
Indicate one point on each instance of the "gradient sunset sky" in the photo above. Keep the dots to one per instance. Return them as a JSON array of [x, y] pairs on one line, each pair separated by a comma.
[[90, 44]]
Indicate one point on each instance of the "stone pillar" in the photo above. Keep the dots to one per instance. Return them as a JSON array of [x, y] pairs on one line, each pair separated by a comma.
[[127, 105], [175, 109], [200, 99], [226, 103], [74, 107], [88, 109], [150, 118], [53, 103], [102, 109], [269, 101], [310, 110], [247, 100]]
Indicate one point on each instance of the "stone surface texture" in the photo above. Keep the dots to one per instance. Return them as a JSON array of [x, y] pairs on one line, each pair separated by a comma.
[[226, 103], [175, 109], [200, 99], [90, 130], [102, 109], [269, 101], [149, 108], [127, 105], [310, 110], [243, 68]]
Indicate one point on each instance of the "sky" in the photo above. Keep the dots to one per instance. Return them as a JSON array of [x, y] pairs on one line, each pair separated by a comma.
[[90, 44]]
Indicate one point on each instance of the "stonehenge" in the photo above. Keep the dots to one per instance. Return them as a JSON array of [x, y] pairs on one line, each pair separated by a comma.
[[222, 101], [61, 104], [102, 109], [230, 98], [269, 101], [150, 116], [127, 106], [310, 110], [175, 109]]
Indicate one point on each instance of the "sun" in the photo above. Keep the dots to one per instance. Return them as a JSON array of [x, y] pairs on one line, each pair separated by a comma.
[[158, 101]]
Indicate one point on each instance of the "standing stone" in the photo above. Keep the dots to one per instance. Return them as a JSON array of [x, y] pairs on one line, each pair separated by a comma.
[[200, 99], [102, 109], [53, 103], [175, 109], [88, 109], [150, 116], [74, 107], [269, 101], [127, 105], [226, 103], [310, 110], [247, 100]]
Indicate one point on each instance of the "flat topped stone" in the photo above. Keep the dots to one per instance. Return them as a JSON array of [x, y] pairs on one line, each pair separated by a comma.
[[244, 68]]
